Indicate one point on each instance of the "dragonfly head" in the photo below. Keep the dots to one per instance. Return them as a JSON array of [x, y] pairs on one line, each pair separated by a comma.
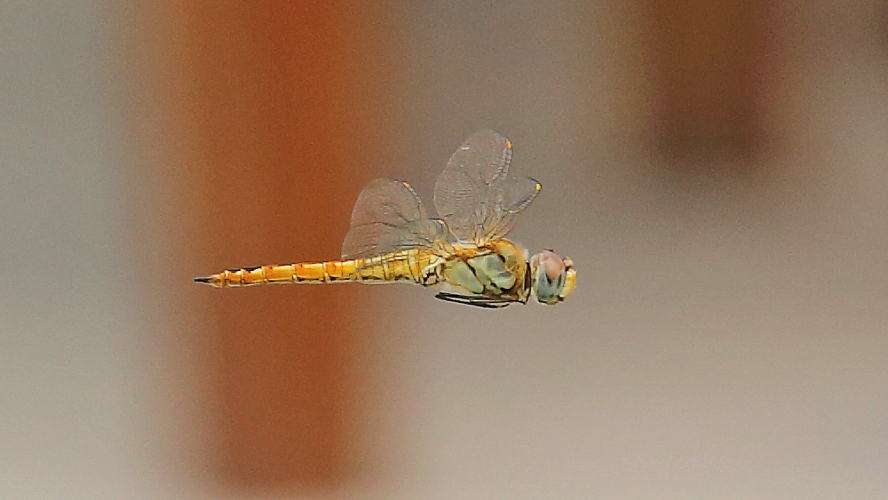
[[552, 278]]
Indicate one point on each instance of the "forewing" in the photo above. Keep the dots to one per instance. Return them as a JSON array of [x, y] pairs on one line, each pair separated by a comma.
[[474, 195], [387, 217]]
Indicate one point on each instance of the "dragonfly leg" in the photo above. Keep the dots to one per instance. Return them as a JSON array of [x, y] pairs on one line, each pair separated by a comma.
[[474, 300]]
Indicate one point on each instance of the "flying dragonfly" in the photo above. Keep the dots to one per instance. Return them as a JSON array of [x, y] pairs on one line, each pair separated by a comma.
[[392, 239]]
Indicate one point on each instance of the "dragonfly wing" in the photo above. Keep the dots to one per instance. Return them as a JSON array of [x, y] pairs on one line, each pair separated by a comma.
[[474, 194], [389, 216], [507, 199]]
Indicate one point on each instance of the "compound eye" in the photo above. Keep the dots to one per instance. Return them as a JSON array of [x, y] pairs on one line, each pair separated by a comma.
[[551, 264], [549, 277]]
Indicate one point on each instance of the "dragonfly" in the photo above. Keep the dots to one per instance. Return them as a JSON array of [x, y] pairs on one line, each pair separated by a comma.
[[392, 239]]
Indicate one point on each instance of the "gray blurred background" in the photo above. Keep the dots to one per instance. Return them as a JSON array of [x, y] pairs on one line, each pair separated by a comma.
[[716, 173]]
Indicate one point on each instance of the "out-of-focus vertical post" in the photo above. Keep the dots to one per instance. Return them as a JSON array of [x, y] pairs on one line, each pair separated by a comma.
[[288, 111], [706, 63]]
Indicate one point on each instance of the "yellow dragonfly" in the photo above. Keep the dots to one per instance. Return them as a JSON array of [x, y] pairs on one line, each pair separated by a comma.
[[392, 238]]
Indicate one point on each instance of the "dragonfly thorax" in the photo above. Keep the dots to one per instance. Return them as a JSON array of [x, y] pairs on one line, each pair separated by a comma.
[[496, 270]]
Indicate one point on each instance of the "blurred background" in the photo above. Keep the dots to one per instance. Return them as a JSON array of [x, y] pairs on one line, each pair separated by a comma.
[[715, 169]]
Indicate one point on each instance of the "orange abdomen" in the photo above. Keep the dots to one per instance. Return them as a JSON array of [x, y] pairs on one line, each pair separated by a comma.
[[407, 265]]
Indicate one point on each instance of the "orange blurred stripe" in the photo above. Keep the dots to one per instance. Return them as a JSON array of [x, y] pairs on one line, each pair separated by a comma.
[[285, 109]]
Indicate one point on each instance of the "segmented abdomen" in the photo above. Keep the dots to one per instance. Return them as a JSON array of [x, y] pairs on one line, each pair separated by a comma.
[[403, 266]]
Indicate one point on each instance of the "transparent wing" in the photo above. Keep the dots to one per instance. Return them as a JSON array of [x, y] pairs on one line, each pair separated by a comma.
[[387, 217], [474, 194]]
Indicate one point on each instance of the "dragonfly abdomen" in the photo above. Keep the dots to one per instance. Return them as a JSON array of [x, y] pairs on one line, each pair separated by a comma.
[[404, 266], [306, 272]]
